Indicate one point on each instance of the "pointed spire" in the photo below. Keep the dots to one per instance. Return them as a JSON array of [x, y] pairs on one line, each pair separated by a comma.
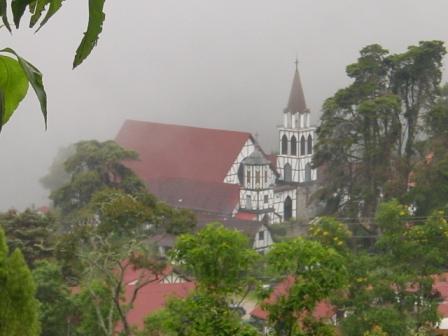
[[296, 102]]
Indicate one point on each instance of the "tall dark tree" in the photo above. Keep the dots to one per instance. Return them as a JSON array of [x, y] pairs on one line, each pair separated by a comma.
[[368, 132]]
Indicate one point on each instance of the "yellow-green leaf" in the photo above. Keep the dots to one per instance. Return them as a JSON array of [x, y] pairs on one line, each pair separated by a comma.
[[13, 85]]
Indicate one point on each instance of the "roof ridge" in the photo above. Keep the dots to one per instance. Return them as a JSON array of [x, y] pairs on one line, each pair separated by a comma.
[[186, 126]]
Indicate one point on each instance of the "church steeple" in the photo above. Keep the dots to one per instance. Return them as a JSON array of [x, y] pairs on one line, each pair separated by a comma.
[[296, 102]]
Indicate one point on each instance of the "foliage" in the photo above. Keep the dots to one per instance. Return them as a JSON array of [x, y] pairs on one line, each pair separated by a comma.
[[31, 232], [15, 77], [314, 273], [43, 10], [199, 314], [368, 130], [221, 262], [106, 262], [431, 173], [19, 314], [218, 258], [93, 166], [331, 233], [56, 304], [393, 289]]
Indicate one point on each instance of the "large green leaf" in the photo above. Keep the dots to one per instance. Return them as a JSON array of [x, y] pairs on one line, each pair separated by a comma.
[[38, 9], [3, 14], [34, 77], [13, 86], [55, 5], [18, 8], [94, 28]]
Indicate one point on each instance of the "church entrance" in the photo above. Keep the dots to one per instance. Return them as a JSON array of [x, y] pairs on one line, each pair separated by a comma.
[[287, 208]]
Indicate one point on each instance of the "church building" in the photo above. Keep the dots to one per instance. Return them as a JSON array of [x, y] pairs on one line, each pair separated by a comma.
[[226, 173]]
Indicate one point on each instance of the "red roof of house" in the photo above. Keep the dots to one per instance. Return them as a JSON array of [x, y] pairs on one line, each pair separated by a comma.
[[152, 298], [323, 310], [180, 151], [211, 197]]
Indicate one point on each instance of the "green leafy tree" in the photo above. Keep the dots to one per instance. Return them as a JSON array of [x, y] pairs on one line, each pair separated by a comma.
[[330, 233], [94, 166], [31, 232], [314, 272], [56, 304], [393, 288], [369, 129], [431, 173], [199, 314], [106, 261], [19, 310], [220, 260]]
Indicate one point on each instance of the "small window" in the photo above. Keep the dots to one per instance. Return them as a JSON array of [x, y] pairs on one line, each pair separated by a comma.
[[261, 235], [257, 177], [248, 202], [293, 145], [265, 176], [248, 176], [266, 199]]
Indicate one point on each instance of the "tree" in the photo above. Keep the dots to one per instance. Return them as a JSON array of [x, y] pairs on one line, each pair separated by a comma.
[[313, 273], [430, 175], [393, 289], [18, 308], [31, 232], [55, 302], [368, 130], [106, 261], [220, 260], [330, 233], [94, 166], [17, 74]]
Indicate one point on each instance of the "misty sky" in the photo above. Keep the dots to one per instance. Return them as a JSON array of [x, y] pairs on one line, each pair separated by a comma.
[[220, 64]]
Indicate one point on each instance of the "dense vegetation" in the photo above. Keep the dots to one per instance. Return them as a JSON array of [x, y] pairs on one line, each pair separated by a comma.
[[382, 144]]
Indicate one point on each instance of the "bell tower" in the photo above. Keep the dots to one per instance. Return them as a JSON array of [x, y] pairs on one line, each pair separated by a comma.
[[296, 138]]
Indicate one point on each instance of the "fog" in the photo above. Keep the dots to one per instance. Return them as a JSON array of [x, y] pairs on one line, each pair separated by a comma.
[[219, 64]]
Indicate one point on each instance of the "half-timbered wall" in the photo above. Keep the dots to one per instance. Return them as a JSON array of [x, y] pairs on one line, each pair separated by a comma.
[[232, 174], [263, 239]]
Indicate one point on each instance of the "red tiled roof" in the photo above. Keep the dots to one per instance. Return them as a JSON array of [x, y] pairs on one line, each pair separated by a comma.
[[152, 298], [246, 216], [323, 310], [197, 195], [180, 151]]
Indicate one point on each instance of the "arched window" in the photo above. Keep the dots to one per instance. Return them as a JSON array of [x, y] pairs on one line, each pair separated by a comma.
[[308, 172], [287, 172], [257, 177], [284, 145], [248, 176], [293, 145], [287, 208], [248, 202], [310, 144], [302, 146], [266, 177]]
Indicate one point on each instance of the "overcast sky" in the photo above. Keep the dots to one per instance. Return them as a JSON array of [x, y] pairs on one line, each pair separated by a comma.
[[220, 64]]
